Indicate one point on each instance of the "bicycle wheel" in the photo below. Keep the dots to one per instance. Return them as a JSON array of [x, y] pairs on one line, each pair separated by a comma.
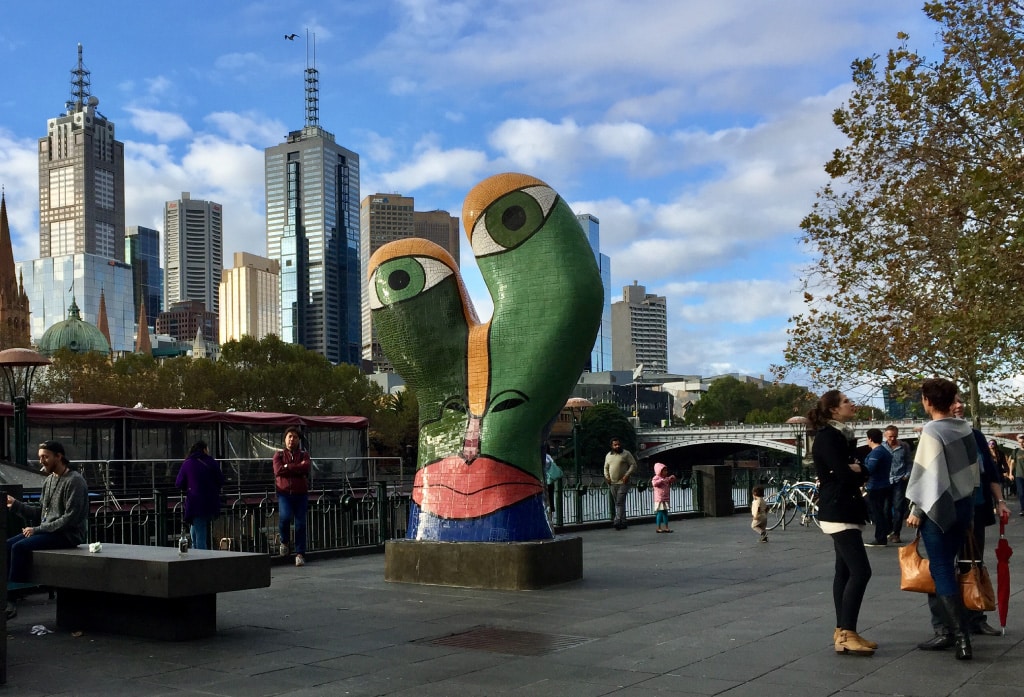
[[776, 509], [790, 513]]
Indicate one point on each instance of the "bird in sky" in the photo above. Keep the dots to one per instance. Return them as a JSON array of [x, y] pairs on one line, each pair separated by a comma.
[[291, 37]]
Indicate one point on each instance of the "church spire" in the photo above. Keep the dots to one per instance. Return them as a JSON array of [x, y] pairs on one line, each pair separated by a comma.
[[142, 342], [14, 326], [101, 318]]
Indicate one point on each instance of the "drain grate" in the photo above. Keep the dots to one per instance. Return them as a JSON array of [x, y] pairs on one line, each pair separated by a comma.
[[511, 641]]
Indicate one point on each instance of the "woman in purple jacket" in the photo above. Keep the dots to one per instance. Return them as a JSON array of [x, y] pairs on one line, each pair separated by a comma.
[[201, 478]]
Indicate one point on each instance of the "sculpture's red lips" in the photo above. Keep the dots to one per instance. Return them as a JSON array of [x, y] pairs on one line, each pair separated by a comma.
[[450, 488]]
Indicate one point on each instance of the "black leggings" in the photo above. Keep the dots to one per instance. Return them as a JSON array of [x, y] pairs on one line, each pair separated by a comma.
[[853, 571]]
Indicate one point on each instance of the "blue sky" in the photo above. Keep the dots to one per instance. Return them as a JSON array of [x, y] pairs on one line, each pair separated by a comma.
[[696, 131]]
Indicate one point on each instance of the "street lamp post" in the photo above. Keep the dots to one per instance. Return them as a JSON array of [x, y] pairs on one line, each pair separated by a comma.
[[576, 405], [638, 375], [799, 426], [19, 367]]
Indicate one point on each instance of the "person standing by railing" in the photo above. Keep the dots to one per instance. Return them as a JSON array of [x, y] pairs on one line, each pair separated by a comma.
[[291, 479], [201, 478], [619, 466]]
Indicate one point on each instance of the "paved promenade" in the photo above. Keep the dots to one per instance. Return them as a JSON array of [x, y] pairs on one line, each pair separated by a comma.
[[704, 611]]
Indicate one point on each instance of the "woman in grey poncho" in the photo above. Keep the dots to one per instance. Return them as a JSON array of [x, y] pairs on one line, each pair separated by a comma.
[[941, 495]]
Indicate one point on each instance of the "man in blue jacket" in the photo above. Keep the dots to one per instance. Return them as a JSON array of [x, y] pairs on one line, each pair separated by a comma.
[[877, 463]]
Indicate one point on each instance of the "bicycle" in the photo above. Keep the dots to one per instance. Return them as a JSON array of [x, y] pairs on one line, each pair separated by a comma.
[[790, 499], [804, 499]]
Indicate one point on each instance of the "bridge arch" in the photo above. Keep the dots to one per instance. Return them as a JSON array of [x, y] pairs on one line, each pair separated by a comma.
[[767, 444]]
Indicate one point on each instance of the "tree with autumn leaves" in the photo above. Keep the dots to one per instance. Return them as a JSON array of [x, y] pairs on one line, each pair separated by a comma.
[[918, 239]]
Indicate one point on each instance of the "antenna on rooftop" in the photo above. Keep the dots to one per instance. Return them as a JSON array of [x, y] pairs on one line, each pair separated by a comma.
[[312, 84], [80, 85]]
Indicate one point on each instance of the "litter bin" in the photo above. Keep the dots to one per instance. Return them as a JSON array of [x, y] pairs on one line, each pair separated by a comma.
[[716, 485]]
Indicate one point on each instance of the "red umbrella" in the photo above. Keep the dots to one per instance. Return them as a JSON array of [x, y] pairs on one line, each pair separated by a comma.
[[1003, 554]]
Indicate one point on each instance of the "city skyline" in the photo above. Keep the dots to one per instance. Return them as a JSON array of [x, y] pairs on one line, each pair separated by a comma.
[[696, 134]]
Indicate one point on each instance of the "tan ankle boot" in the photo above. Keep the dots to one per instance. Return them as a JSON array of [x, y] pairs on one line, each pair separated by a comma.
[[871, 644], [850, 643]]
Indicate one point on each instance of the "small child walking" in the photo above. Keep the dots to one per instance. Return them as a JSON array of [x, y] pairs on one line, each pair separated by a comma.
[[661, 484], [759, 513]]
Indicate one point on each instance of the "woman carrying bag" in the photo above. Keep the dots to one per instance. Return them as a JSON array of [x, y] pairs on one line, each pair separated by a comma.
[[941, 494]]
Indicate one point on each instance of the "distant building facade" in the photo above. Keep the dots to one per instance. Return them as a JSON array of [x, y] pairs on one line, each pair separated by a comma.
[[640, 330], [193, 253], [142, 252], [440, 227], [184, 320], [250, 298], [51, 284], [81, 178]]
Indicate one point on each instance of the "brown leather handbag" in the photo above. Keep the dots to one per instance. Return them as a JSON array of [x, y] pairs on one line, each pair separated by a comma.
[[915, 574], [975, 584]]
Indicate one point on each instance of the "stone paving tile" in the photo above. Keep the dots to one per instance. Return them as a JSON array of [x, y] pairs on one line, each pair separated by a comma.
[[707, 611]]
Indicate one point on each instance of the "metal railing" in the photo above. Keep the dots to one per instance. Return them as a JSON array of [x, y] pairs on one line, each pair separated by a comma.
[[346, 509]]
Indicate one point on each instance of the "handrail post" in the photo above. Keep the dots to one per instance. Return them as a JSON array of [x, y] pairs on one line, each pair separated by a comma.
[[160, 517], [383, 512]]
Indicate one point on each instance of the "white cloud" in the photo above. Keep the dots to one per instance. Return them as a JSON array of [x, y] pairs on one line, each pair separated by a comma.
[[164, 125], [19, 174], [742, 301], [248, 127], [459, 167]]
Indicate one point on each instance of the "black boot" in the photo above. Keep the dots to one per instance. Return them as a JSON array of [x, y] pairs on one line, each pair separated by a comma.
[[940, 641], [953, 616]]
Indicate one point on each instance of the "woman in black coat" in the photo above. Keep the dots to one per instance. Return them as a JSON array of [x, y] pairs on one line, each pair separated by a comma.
[[842, 513]]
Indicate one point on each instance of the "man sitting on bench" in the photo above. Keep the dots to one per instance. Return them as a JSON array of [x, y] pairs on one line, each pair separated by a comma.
[[58, 521]]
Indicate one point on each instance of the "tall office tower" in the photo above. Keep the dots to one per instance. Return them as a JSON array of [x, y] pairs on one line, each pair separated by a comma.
[[312, 194], [385, 218], [81, 178], [640, 331], [142, 252], [193, 253], [601, 355], [250, 298]]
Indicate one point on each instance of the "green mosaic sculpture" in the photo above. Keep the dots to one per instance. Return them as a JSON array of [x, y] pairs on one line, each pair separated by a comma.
[[488, 391]]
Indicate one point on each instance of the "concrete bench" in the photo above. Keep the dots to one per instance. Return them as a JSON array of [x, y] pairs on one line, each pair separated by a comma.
[[152, 592]]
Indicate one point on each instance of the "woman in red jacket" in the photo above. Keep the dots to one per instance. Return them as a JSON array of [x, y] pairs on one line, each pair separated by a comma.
[[291, 479]]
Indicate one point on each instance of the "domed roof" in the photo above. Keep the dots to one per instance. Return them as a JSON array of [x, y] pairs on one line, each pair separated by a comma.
[[73, 333]]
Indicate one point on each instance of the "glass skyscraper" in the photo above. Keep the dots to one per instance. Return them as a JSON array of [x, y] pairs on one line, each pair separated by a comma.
[[142, 251], [601, 355], [53, 282], [312, 192]]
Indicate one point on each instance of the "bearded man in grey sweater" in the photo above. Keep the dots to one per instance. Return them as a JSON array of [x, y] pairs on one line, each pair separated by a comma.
[[58, 521]]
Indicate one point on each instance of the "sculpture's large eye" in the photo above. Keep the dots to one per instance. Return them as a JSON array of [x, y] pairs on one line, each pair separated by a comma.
[[404, 278], [512, 219]]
